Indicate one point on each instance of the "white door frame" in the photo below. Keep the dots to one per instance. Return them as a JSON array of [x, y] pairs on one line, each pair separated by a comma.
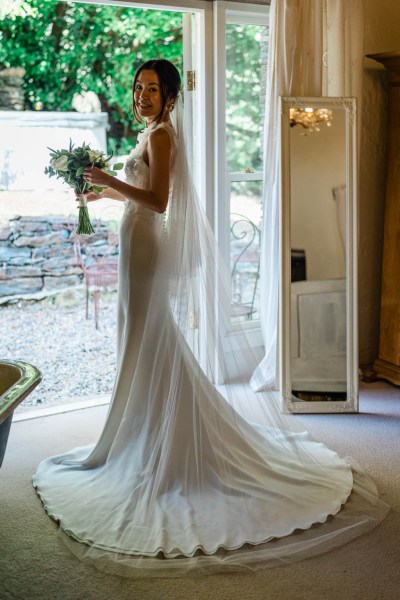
[[224, 13]]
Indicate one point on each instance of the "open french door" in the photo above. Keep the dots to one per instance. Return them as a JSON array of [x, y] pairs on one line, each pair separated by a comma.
[[241, 34]]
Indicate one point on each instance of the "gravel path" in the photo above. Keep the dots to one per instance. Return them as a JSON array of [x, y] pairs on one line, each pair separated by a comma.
[[75, 359]]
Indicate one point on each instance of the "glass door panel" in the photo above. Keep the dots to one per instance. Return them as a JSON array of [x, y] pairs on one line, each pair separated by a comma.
[[245, 77], [245, 240]]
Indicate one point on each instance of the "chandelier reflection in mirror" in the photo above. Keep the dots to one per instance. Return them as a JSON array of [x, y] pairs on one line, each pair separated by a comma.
[[310, 119]]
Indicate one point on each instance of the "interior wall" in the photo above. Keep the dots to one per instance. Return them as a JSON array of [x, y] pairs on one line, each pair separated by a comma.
[[382, 22]]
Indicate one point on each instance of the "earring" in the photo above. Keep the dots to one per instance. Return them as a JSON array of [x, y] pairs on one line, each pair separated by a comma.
[[170, 107]]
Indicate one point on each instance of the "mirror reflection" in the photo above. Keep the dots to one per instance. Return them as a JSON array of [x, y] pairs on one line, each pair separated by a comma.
[[317, 141]]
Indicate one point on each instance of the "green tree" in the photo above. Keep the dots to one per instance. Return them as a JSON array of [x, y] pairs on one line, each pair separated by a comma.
[[245, 90], [69, 48]]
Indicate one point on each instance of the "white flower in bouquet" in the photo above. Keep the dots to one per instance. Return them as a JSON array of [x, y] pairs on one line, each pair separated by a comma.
[[95, 155], [60, 164], [69, 165]]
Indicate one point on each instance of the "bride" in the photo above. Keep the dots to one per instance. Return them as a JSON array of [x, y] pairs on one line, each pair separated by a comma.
[[192, 469]]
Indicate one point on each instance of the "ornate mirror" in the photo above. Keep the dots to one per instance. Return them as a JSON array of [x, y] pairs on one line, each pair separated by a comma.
[[318, 278]]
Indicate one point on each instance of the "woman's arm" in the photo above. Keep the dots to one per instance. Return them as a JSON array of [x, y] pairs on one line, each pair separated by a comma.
[[156, 198], [106, 193]]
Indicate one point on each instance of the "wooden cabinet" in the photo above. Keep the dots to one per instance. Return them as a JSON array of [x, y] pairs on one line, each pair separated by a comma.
[[387, 366]]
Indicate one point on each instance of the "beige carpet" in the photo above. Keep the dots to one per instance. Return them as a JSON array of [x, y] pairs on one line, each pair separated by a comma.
[[34, 564]]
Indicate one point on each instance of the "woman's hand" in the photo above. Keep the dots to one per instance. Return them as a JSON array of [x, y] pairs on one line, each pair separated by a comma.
[[90, 196], [95, 176]]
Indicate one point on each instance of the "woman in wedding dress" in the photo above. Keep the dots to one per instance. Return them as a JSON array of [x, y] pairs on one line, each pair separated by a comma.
[[180, 479]]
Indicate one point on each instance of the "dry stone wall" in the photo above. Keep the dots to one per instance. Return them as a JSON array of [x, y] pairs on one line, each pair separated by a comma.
[[38, 256], [11, 91]]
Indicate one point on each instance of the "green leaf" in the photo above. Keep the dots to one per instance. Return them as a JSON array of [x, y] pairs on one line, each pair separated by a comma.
[[118, 166]]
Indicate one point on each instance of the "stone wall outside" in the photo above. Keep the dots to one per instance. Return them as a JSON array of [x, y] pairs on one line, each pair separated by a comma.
[[39, 256]]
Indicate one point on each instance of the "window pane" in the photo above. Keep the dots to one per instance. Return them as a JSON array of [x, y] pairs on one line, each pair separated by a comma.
[[245, 228], [246, 63]]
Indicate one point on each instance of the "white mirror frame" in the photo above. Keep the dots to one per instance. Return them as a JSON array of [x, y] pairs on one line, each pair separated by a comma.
[[351, 404]]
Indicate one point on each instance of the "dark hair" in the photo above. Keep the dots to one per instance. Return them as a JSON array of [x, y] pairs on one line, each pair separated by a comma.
[[170, 83]]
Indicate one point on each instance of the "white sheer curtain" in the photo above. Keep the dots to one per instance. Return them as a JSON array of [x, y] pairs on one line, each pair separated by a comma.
[[315, 49]]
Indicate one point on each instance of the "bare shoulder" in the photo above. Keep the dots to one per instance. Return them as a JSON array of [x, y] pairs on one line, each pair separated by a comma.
[[160, 137]]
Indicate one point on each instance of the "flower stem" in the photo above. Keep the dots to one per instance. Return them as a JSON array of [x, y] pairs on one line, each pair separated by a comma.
[[84, 224]]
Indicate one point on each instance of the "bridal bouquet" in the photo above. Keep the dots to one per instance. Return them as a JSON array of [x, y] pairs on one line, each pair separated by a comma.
[[70, 165]]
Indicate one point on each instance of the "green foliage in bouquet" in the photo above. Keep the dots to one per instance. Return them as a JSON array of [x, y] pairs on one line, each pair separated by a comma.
[[69, 165]]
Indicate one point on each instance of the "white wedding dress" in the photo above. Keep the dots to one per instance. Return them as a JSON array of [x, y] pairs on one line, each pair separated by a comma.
[[178, 479]]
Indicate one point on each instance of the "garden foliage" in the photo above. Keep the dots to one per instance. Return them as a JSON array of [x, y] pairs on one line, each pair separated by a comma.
[[68, 48]]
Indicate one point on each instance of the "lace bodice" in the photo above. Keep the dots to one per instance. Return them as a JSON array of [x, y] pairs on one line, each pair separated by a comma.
[[136, 168]]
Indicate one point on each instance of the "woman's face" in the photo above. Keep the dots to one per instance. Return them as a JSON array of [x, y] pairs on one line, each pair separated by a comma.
[[147, 95]]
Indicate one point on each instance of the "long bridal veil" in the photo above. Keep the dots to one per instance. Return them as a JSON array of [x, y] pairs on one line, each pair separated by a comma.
[[201, 473]]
